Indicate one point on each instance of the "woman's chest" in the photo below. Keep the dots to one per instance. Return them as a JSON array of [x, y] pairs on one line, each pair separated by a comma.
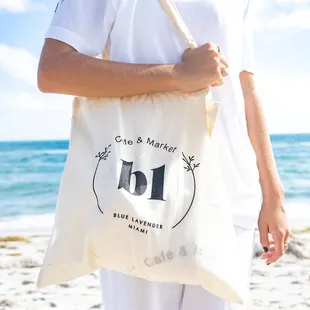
[[203, 17], [144, 25]]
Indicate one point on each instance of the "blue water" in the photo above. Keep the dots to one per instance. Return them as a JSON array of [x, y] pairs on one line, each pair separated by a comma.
[[30, 173]]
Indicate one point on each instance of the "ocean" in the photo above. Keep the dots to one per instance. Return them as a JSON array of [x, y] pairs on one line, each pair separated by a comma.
[[30, 173]]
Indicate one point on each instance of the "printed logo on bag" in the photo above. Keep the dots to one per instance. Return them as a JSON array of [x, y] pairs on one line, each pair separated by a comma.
[[136, 182]]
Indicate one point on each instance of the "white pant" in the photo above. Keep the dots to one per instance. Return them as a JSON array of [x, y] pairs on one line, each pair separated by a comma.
[[123, 292]]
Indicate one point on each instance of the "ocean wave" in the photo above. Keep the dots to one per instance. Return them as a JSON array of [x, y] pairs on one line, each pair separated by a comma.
[[33, 146], [33, 158], [298, 214], [41, 223]]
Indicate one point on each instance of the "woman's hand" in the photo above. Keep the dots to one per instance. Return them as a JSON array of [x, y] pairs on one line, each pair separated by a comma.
[[273, 228], [201, 68]]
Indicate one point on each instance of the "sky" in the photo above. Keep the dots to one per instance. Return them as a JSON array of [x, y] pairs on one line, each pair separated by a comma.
[[282, 49]]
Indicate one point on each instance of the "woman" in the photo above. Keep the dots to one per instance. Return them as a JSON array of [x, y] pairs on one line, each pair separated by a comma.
[[147, 54]]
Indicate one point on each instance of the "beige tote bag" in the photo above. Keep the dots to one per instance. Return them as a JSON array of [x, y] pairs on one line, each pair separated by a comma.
[[142, 193]]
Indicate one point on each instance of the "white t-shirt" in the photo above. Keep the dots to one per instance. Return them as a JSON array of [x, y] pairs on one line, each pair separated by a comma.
[[139, 31]]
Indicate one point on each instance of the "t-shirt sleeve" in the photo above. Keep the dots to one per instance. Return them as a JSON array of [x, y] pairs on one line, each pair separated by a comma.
[[83, 24], [247, 60]]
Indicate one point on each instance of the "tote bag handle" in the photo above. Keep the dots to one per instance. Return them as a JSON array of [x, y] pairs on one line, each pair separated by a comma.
[[174, 14], [212, 107]]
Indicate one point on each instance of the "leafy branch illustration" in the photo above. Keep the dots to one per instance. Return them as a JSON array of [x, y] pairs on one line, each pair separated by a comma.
[[101, 156], [189, 167]]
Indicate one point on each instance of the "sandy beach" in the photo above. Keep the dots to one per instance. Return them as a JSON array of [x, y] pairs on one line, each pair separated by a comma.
[[283, 285]]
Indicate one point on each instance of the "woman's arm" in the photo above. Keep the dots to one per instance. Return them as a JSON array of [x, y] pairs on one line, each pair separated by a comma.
[[65, 71], [272, 216]]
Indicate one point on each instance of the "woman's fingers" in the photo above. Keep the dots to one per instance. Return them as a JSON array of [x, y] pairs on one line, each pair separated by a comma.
[[274, 251], [223, 60], [268, 254], [224, 71], [222, 64], [279, 248], [264, 236]]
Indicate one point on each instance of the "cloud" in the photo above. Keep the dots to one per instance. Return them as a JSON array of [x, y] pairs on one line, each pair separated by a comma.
[[286, 101], [21, 6], [34, 101], [19, 63], [26, 115], [297, 19], [282, 14], [34, 116], [292, 2]]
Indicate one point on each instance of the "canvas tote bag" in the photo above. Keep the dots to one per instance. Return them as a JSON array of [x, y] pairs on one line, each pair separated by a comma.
[[142, 193]]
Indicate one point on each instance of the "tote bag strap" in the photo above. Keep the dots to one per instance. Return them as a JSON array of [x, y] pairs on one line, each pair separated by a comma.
[[174, 14], [212, 107]]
